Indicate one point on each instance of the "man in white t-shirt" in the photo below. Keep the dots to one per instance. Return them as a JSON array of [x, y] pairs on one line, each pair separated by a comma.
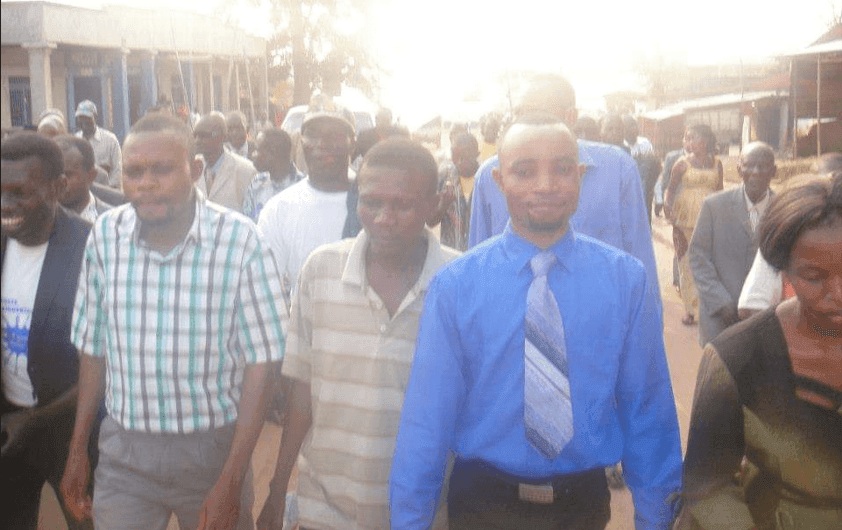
[[314, 211], [42, 247]]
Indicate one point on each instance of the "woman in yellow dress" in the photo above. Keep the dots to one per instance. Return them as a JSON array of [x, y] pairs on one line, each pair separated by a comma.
[[694, 176]]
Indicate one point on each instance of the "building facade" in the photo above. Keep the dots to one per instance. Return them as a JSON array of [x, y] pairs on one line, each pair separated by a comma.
[[125, 60]]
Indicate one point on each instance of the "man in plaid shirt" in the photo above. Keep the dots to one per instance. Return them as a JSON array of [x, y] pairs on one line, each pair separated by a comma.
[[177, 319]]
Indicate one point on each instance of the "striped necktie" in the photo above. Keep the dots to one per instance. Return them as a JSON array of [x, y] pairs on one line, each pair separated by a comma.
[[548, 413]]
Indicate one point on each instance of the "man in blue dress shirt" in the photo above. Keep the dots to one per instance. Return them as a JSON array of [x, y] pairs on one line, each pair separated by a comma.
[[466, 388], [611, 207]]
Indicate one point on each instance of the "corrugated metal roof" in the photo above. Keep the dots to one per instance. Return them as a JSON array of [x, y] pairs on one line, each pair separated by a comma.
[[676, 109]]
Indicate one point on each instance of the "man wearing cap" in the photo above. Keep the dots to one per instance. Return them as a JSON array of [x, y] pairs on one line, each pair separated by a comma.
[[226, 175], [105, 144], [314, 211]]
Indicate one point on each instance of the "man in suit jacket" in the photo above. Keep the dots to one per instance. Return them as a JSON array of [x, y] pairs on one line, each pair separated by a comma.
[[226, 175], [41, 254], [723, 244]]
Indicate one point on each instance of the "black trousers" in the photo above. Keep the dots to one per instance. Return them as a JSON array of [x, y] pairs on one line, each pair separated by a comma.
[[483, 498], [25, 472]]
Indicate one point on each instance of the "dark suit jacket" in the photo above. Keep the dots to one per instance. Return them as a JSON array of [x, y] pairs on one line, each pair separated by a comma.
[[53, 365], [722, 250]]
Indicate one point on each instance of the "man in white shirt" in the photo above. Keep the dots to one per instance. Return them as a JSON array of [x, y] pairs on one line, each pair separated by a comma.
[[226, 175], [314, 211], [105, 144]]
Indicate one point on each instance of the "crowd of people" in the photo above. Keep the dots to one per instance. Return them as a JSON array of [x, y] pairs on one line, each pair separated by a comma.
[[473, 342]]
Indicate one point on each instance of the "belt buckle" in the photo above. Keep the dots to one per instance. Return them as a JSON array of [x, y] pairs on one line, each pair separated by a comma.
[[536, 493]]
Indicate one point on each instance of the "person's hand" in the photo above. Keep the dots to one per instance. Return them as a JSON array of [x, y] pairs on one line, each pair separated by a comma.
[[17, 428], [221, 508], [668, 213], [728, 315], [447, 196], [74, 485], [272, 515], [679, 241]]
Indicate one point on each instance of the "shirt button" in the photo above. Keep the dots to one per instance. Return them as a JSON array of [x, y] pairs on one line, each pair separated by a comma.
[[382, 328]]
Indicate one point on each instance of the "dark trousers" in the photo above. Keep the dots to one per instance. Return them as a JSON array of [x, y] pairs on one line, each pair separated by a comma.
[[484, 498], [25, 472]]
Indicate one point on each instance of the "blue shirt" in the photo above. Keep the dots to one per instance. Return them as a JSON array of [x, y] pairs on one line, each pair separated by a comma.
[[611, 207], [465, 389]]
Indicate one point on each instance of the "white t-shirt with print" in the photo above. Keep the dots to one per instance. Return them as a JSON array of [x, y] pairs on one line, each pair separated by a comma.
[[21, 274]]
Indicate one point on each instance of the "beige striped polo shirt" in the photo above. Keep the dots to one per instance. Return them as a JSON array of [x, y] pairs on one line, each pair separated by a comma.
[[357, 360]]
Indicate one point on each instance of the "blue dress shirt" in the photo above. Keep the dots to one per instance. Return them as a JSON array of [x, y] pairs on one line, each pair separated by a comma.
[[465, 390], [611, 207]]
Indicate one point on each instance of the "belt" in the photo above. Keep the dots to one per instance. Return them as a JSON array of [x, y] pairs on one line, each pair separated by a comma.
[[474, 476]]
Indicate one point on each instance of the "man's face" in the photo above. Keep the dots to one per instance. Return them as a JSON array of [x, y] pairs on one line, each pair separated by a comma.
[[612, 131], [28, 201], [87, 125], [236, 131], [158, 178], [393, 207], [78, 179], [464, 155], [757, 167], [210, 139], [327, 147], [540, 176]]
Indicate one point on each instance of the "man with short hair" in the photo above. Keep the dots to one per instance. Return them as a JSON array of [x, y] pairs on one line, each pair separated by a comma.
[[611, 200], [723, 245], [314, 211], [456, 184], [382, 129], [648, 164], [351, 339], [51, 123], [177, 309], [273, 160], [539, 361], [237, 134], [80, 170], [42, 247], [104, 143], [225, 175]]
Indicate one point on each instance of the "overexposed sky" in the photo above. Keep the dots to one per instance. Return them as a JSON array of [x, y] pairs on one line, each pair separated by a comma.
[[437, 50]]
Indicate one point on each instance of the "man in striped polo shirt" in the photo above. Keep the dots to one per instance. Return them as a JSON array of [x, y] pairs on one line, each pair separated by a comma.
[[351, 340], [177, 320]]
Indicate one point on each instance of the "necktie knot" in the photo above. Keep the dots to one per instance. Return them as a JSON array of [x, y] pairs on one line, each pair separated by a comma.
[[542, 262]]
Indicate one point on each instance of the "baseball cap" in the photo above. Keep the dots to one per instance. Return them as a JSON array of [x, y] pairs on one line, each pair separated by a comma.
[[324, 107], [86, 108]]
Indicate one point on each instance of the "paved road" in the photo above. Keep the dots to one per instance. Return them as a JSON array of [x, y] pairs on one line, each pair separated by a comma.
[[683, 353]]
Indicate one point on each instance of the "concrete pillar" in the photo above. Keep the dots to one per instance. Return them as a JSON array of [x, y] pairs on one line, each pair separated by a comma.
[[237, 83], [40, 76], [148, 82], [189, 84], [226, 87], [264, 88], [71, 93], [211, 92], [120, 95]]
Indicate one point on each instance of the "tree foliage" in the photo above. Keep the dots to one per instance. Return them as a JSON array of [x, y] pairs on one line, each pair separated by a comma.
[[321, 44]]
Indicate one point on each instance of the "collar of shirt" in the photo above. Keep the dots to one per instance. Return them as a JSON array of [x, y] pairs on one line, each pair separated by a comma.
[[520, 251], [194, 234], [354, 272], [216, 165], [759, 205]]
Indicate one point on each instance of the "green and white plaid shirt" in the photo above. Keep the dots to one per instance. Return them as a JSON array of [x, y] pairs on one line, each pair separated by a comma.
[[177, 331]]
